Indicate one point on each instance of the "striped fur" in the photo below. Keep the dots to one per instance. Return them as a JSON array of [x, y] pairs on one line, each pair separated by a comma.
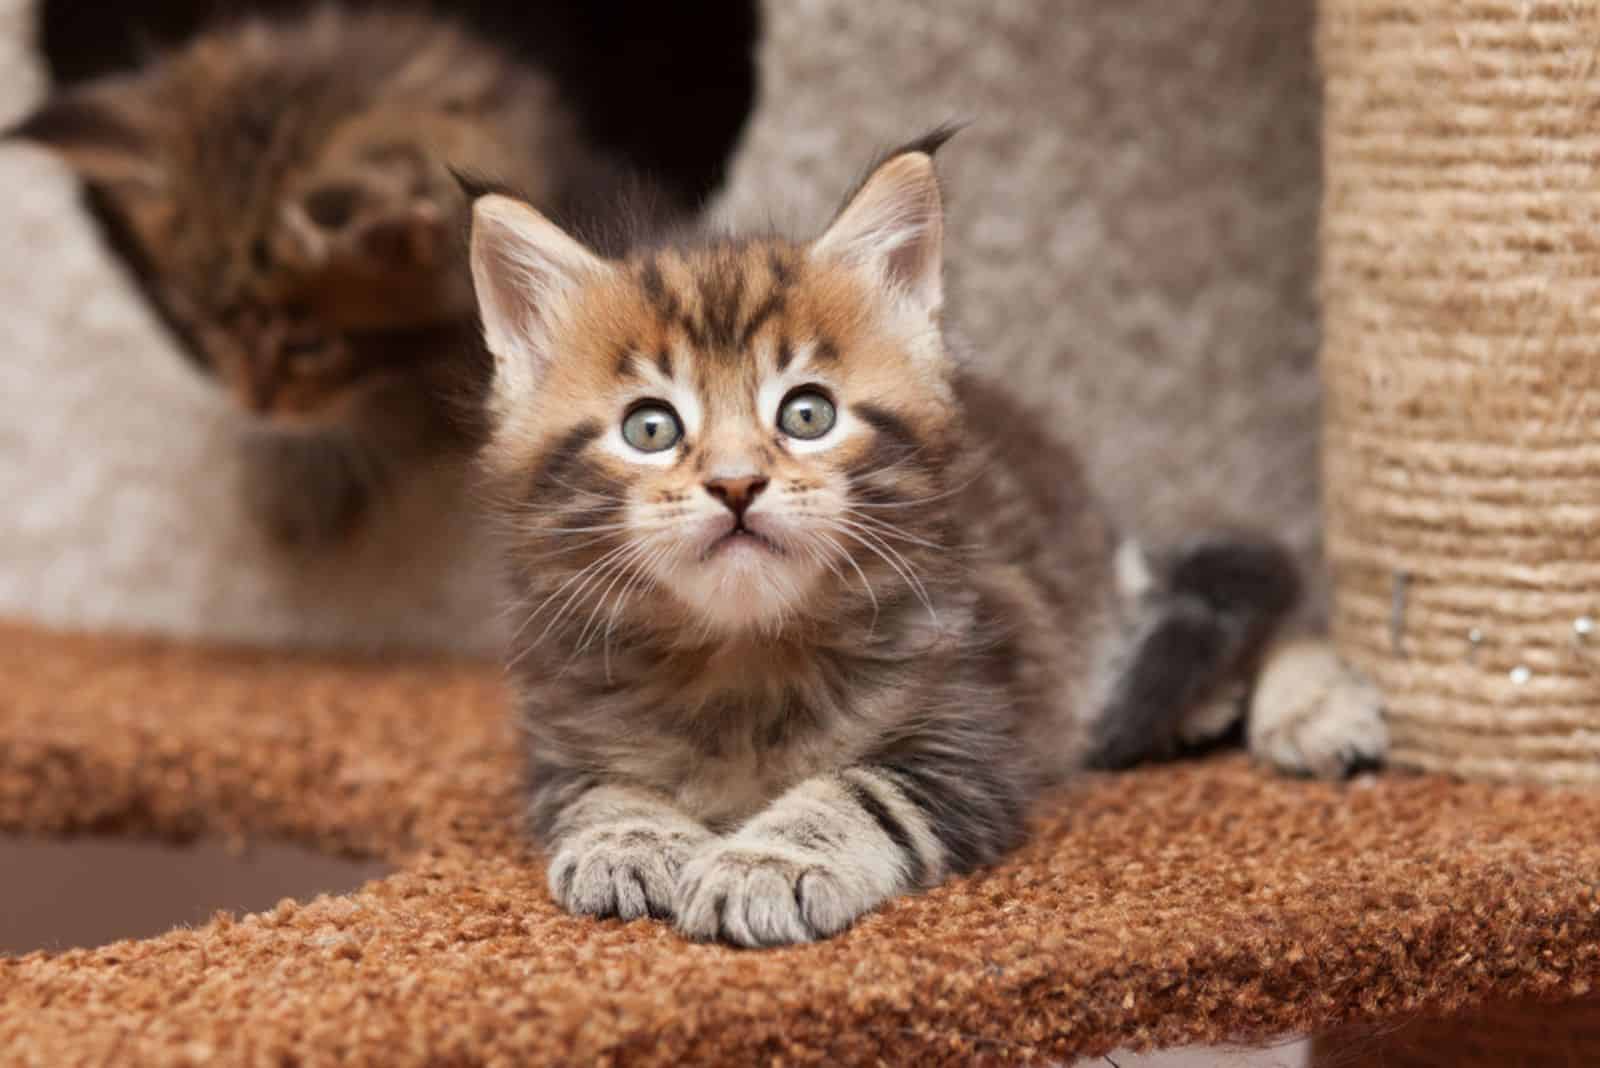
[[766, 724]]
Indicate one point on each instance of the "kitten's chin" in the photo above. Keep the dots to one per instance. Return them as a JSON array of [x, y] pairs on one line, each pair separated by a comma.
[[744, 585]]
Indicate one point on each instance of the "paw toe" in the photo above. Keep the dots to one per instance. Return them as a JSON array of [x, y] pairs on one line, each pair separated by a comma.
[[747, 898], [627, 876]]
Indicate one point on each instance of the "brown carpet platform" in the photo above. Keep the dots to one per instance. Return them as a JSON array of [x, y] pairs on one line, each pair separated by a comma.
[[1195, 902]]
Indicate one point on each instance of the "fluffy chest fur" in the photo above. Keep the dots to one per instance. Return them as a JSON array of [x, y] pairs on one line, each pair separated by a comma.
[[726, 726]]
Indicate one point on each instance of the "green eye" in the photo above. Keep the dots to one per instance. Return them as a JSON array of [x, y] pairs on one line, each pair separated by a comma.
[[807, 414], [652, 428]]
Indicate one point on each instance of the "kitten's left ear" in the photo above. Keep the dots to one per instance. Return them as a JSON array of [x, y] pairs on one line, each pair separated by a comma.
[[525, 270], [894, 227], [102, 131]]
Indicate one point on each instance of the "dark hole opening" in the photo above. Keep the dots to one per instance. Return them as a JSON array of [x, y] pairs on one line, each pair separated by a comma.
[[669, 87], [85, 892]]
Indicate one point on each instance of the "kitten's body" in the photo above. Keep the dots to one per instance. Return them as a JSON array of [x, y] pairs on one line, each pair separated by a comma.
[[988, 642], [811, 614], [282, 187]]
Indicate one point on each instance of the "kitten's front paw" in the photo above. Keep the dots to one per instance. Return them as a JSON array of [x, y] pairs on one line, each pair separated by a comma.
[[767, 894], [626, 870], [1314, 715]]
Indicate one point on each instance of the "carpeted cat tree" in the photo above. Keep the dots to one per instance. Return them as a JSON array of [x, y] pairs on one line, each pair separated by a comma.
[[1134, 228]]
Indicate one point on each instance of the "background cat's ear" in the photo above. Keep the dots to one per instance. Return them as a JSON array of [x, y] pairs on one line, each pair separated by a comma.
[[893, 226], [524, 270], [103, 132]]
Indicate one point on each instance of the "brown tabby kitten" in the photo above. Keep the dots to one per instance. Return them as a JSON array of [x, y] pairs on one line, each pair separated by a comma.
[[285, 187], [812, 613]]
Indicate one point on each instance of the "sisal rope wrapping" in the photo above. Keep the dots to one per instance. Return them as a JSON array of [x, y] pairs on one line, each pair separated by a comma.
[[1461, 294]]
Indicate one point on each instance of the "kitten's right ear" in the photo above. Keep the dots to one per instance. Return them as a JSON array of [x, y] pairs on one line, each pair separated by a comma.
[[101, 132], [525, 269]]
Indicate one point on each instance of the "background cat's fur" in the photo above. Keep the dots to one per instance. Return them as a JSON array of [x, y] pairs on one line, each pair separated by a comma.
[[1139, 246], [281, 188]]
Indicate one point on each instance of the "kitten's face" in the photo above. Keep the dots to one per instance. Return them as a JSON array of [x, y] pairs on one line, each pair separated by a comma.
[[741, 428]]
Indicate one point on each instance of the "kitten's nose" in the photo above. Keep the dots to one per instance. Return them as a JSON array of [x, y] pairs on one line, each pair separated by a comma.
[[736, 493]]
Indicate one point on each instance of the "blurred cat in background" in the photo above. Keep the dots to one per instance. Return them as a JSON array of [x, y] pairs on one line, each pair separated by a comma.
[[282, 189]]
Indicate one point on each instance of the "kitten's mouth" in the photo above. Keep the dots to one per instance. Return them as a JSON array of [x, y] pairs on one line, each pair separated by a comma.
[[741, 538]]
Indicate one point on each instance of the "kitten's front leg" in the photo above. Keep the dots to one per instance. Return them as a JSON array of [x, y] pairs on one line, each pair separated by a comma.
[[617, 850], [837, 846]]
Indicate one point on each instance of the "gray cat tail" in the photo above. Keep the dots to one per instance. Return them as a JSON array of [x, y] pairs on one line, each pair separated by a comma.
[[1198, 629]]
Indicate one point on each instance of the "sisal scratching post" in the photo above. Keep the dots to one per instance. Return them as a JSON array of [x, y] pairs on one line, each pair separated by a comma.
[[1461, 288]]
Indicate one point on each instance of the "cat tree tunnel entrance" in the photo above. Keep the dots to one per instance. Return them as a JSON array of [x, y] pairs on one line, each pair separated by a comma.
[[667, 87]]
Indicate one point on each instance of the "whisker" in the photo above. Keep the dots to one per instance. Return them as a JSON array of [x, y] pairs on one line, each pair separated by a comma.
[[583, 640], [888, 529], [894, 559], [571, 548], [614, 561], [587, 569], [583, 491], [641, 575], [885, 506], [865, 584]]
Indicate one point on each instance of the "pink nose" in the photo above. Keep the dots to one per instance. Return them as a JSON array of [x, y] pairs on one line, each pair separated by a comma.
[[736, 493]]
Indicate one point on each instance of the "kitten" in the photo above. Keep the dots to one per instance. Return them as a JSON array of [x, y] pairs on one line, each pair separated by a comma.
[[813, 613], [282, 187]]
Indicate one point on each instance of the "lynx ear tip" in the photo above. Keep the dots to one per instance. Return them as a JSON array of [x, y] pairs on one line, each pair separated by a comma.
[[478, 187], [931, 142]]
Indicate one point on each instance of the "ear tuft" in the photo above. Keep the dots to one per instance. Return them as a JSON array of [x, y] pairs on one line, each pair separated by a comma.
[[475, 185], [931, 142], [524, 271], [893, 226], [99, 132]]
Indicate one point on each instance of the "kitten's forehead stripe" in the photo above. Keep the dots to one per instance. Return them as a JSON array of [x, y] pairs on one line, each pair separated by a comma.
[[720, 299], [771, 306]]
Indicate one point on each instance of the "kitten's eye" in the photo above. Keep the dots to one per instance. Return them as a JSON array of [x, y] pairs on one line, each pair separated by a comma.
[[652, 427], [807, 414]]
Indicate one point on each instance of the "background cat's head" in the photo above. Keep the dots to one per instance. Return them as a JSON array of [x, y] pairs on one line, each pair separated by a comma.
[[282, 188], [737, 436]]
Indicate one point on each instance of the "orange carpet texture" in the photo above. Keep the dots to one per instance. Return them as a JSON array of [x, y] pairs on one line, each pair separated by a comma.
[[1195, 902]]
